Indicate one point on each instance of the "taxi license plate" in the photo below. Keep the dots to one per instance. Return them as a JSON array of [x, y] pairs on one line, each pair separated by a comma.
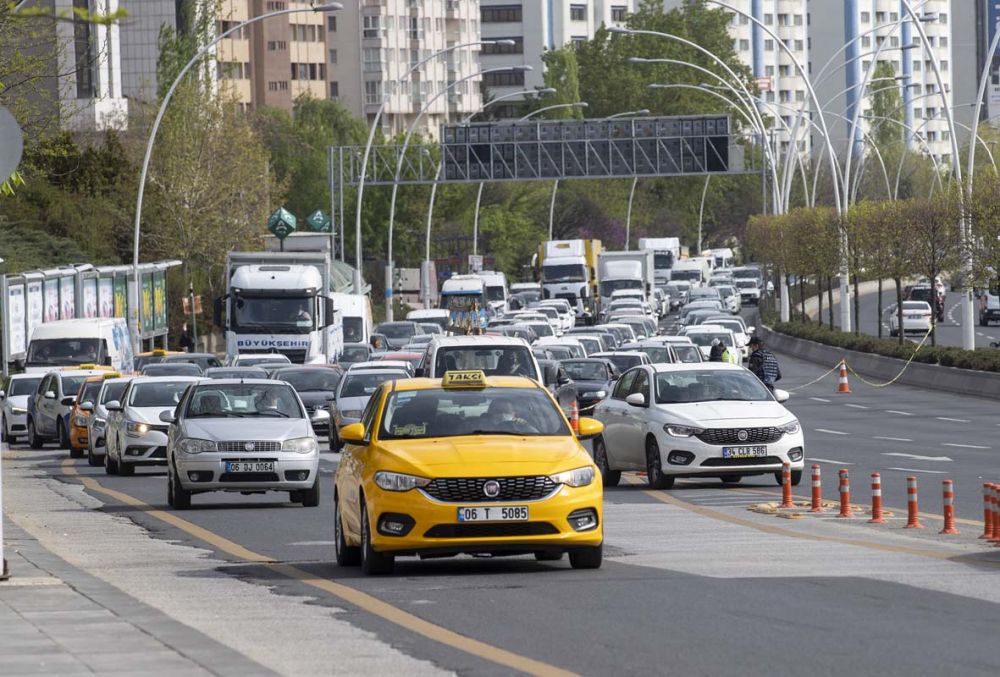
[[494, 513], [744, 452], [249, 466]]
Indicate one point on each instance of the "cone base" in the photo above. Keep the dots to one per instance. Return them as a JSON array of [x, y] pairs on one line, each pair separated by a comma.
[[918, 525]]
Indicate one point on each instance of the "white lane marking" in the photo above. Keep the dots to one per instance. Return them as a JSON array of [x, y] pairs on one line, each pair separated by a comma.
[[857, 406], [820, 399], [963, 446], [932, 472], [979, 333], [916, 457], [829, 460], [830, 432], [953, 420], [892, 439], [992, 338], [901, 413]]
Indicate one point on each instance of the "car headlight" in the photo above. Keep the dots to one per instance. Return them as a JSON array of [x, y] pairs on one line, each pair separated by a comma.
[[99, 422], [681, 430], [394, 481], [789, 428], [136, 429], [300, 445], [190, 445], [321, 413], [18, 410], [80, 421], [580, 477], [595, 394], [351, 413]]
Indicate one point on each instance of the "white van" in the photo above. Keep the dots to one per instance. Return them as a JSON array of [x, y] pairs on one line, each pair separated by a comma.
[[438, 316], [494, 355], [496, 290], [70, 343], [356, 310]]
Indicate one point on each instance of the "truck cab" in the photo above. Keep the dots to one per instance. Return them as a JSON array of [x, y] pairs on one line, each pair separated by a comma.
[[497, 296], [464, 296], [569, 271]]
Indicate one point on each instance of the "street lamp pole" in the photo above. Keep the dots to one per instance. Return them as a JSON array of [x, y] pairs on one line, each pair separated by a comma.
[[635, 179], [134, 293]]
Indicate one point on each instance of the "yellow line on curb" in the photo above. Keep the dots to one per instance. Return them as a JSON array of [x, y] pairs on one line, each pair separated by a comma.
[[362, 600]]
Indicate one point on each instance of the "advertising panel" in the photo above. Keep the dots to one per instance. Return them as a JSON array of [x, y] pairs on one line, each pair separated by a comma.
[[121, 296], [15, 319], [90, 298], [160, 300], [51, 301], [36, 306], [67, 297], [106, 296], [147, 304]]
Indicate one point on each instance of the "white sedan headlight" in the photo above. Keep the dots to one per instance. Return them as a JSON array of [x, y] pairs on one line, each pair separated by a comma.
[[681, 430], [580, 477], [789, 428], [18, 411], [300, 445], [136, 429], [190, 445], [99, 422], [351, 413], [394, 481]]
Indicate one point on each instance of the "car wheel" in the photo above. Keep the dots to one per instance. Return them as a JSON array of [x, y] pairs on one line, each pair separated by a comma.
[[7, 436], [64, 439], [310, 497], [796, 477], [548, 555], [170, 488], [92, 460], [654, 469], [110, 464], [732, 479], [373, 563], [182, 497], [587, 558], [347, 555], [335, 444], [34, 440], [609, 477]]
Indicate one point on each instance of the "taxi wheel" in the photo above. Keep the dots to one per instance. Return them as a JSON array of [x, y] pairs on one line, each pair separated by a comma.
[[347, 555], [64, 439], [372, 563], [609, 477], [587, 558], [654, 470], [34, 441], [310, 497]]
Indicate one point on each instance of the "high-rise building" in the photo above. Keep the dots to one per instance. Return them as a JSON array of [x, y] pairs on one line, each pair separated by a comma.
[[536, 26], [140, 44]]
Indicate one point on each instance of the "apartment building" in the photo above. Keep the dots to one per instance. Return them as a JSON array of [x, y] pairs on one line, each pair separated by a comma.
[[535, 26]]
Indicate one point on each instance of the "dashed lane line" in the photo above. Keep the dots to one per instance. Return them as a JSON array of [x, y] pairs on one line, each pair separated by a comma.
[[901, 413], [953, 420], [963, 446], [362, 600], [929, 472], [857, 406], [830, 432], [830, 460], [819, 399], [892, 439]]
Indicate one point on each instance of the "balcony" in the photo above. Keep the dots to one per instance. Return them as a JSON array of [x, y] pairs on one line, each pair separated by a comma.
[[451, 9]]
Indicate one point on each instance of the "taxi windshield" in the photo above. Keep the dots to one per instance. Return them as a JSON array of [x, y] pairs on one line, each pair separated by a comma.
[[415, 414]]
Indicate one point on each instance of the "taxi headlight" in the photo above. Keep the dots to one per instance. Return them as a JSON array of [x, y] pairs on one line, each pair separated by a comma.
[[595, 395], [190, 445], [136, 429], [681, 430], [300, 445], [394, 481], [80, 421], [18, 411], [351, 413], [579, 477], [789, 428]]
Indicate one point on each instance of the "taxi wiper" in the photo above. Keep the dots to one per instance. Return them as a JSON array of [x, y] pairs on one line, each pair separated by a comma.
[[498, 432]]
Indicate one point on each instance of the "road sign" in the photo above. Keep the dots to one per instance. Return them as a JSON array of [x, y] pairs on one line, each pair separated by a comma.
[[282, 223], [764, 83], [475, 263], [319, 221]]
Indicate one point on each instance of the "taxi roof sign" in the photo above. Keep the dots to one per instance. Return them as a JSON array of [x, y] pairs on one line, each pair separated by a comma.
[[111, 374], [475, 378]]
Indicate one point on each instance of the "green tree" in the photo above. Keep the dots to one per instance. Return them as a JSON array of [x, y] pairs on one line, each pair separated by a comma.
[[561, 74], [886, 103]]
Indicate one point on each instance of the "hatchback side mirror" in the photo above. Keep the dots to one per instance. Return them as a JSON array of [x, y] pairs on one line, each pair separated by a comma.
[[87, 406], [50, 395], [781, 395], [636, 400], [167, 416], [353, 434], [113, 405]]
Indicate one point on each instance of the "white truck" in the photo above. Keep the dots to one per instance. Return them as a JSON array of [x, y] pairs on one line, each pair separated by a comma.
[[497, 296], [694, 270], [666, 252], [619, 271], [568, 271], [464, 296], [280, 302]]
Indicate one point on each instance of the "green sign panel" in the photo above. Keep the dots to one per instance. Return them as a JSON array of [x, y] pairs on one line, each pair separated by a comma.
[[160, 299], [146, 305], [121, 296], [319, 222], [282, 223]]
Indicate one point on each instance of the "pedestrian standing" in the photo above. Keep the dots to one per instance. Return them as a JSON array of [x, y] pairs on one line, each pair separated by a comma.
[[717, 351], [187, 343], [763, 364]]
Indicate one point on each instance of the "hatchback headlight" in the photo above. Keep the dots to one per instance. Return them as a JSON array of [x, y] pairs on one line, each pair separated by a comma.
[[394, 481], [580, 477], [789, 428], [18, 411], [300, 445], [681, 430], [136, 429], [80, 421], [596, 394], [99, 422], [190, 445], [351, 413]]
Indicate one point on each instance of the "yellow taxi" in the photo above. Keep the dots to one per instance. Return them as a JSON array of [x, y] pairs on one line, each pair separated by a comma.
[[151, 357], [78, 417], [466, 464]]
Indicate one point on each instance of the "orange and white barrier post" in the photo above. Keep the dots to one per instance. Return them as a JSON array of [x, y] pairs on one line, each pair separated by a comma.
[[948, 488], [786, 486], [912, 510], [842, 386], [987, 512], [817, 491], [574, 418], [845, 494], [995, 510], [876, 500]]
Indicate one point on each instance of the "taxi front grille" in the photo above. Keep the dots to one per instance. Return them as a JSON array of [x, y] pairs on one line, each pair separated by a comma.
[[722, 436], [471, 489], [491, 530], [240, 446]]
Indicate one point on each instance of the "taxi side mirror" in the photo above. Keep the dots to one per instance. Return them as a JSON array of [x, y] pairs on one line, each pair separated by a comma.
[[353, 434], [589, 428]]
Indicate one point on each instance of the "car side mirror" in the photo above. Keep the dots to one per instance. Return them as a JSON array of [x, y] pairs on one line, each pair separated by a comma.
[[49, 395], [353, 434], [113, 405], [331, 398], [329, 310], [107, 361], [636, 400], [3, 395], [588, 428], [167, 416], [87, 406], [781, 395], [68, 401], [419, 372]]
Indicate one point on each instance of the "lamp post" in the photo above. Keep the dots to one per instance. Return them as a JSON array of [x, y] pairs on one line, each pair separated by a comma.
[[134, 294], [635, 179]]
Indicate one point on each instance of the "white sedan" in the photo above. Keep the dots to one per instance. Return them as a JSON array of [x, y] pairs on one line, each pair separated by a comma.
[[702, 336], [916, 317], [695, 420]]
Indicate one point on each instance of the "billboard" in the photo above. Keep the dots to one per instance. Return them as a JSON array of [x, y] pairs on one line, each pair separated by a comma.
[[146, 305], [106, 296], [121, 297], [90, 297], [16, 317], [67, 298], [160, 299], [51, 313], [36, 306]]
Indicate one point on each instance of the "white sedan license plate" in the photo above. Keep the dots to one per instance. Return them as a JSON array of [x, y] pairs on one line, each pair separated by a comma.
[[249, 466], [494, 513], [744, 452]]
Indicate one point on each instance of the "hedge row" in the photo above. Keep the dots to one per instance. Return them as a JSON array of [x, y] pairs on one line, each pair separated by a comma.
[[981, 359]]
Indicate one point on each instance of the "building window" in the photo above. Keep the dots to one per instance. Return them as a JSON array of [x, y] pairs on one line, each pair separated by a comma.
[[916, 66], [333, 56], [618, 13], [499, 14], [578, 39], [768, 19], [880, 17], [372, 27], [798, 19], [274, 6], [504, 79], [277, 86], [276, 45], [866, 41], [516, 48], [866, 17], [334, 90], [800, 95], [373, 92], [416, 29], [769, 45], [893, 41], [784, 71], [943, 41], [82, 43], [331, 24], [577, 12], [373, 61], [744, 45], [944, 65], [799, 46], [769, 71], [782, 19]]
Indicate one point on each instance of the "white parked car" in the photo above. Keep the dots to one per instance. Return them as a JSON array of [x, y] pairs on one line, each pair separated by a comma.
[[14, 396], [916, 318], [702, 336], [696, 420]]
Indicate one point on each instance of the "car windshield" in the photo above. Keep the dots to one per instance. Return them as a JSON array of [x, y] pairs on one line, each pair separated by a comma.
[[363, 385], [709, 386], [493, 360], [731, 325], [916, 305], [662, 261], [316, 380], [624, 362], [687, 354], [355, 354], [113, 391], [89, 392], [705, 339], [564, 273], [396, 330], [691, 275], [354, 328], [236, 372], [416, 414], [159, 394], [288, 314], [263, 400], [172, 369], [658, 355], [23, 386], [586, 371], [608, 287], [746, 284], [64, 352], [71, 384], [494, 293], [921, 294], [203, 361], [245, 361]]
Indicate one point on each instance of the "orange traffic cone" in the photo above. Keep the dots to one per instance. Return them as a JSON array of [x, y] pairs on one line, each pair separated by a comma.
[[843, 387], [574, 418]]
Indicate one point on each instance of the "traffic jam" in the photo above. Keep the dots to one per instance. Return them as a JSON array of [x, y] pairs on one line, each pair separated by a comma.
[[487, 426]]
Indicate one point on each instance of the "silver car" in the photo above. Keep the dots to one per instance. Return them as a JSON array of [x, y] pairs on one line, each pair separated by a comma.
[[14, 393], [352, 396], [97, 423], [246, 436], [135, 435]]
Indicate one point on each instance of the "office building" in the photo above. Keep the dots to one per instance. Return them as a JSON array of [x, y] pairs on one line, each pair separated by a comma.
[[140, 46]]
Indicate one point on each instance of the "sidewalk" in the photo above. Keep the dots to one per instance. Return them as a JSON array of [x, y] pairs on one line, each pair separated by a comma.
[[58, 620]]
